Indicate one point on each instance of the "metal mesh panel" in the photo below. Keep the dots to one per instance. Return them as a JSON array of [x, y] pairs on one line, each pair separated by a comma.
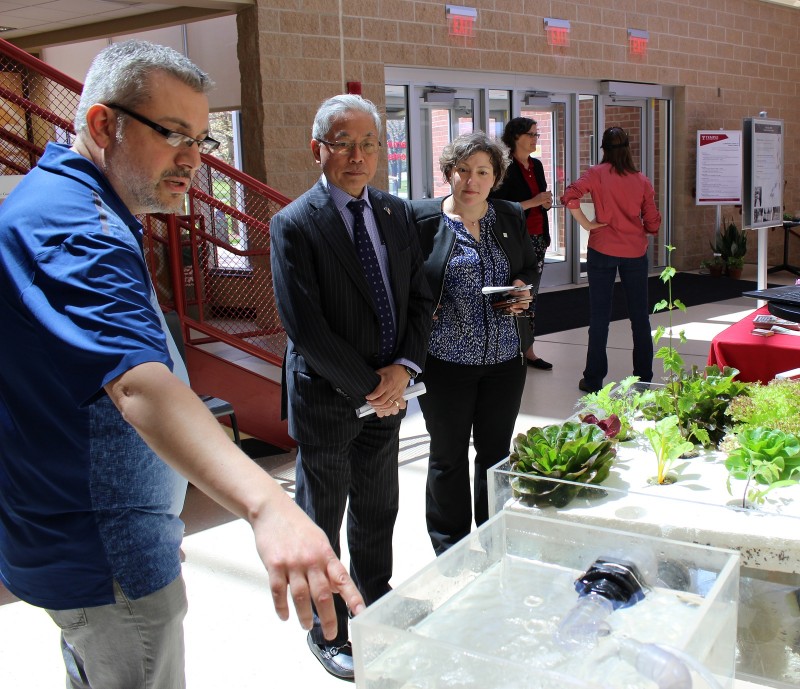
[[211, 264], [225, 253], [34, 109]]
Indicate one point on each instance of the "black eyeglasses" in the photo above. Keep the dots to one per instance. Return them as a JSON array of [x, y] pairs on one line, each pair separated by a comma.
[[533, 136], [173, 138], [347, 147]]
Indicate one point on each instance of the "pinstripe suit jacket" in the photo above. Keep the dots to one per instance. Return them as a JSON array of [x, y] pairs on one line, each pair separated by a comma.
[[326, 307]]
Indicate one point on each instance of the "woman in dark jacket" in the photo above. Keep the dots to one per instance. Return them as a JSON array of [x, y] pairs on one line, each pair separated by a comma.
[[525, 183], [475, 369]]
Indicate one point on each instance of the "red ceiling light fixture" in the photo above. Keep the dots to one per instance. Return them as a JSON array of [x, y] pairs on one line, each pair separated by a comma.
[[461, 20], [557, 31]]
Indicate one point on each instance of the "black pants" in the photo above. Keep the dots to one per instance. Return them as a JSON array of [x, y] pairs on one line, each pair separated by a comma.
[[483, 401], [360, 475]]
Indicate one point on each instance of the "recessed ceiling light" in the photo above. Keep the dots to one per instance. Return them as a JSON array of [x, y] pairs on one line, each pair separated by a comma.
[[14, 28]]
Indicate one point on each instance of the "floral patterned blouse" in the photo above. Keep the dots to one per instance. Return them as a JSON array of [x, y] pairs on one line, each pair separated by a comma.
[[467, 330]]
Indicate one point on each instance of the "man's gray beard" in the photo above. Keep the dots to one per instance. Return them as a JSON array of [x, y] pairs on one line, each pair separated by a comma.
[[142, 190]]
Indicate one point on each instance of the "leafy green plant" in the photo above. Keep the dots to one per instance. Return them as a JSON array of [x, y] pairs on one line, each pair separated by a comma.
[[768, 457], [672, 360], [717, 260], [668, 444], [621, 399], [576, 452], [700, 400], [774, 405], [714, 265], [731, 241], [735, 262]]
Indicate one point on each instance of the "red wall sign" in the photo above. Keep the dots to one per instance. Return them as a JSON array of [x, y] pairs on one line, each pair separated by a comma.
[[462, 26], [557, 36]]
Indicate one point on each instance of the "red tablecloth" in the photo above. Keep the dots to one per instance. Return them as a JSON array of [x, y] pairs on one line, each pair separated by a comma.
[[757, 358]]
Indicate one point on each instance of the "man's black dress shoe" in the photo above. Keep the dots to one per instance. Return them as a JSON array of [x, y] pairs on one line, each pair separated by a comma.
[[583, 385], [338, 660], [540, 363]]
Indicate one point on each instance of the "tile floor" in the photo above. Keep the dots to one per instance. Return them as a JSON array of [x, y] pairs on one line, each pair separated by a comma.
[[234, 640]]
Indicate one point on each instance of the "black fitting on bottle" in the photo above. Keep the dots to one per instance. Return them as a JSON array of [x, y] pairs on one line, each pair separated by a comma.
[[618, 582]]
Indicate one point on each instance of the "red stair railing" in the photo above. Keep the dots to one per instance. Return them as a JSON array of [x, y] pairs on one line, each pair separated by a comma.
[[211, 265]]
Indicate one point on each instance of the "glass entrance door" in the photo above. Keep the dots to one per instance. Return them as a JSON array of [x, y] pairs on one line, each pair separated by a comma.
[[635, 118], [421, 119], [445, 113], [552, 125], [645, 122]]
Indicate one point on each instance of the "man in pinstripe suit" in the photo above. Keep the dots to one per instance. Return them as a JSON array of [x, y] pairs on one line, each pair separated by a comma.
[[342, 352]]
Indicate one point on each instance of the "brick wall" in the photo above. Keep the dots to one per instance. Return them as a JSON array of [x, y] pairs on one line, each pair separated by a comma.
[[729, 59]]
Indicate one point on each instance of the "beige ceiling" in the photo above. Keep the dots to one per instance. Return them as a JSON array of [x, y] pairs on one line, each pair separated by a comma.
[[37, 23]]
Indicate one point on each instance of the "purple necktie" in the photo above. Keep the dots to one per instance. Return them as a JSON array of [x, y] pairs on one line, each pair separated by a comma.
[[372, 271]]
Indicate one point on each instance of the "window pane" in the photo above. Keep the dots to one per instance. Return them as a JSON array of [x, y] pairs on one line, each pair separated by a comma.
[[397, 140], [499, 112]]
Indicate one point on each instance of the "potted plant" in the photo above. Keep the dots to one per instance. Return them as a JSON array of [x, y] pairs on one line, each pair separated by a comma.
[[731, 243], [735, 265], [715, 266]]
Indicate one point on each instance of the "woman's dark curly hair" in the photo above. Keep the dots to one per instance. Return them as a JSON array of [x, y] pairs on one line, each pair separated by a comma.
[[467, 145], [515, 128]]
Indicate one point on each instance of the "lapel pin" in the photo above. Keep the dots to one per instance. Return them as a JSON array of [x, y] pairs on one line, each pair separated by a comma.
[[505, 235], [388, 210]]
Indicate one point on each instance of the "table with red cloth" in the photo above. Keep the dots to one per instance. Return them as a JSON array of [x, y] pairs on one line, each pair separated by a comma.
[[757, 358]]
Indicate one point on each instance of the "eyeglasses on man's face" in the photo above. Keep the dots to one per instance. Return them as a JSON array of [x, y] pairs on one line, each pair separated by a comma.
[[533, 135], [348, 147], [176, 139]]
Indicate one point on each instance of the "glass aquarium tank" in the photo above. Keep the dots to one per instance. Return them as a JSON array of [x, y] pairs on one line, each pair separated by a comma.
[[696, 509], [529, 602]]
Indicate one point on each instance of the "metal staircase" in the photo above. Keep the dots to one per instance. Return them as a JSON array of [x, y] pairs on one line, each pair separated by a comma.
[[210, 265]]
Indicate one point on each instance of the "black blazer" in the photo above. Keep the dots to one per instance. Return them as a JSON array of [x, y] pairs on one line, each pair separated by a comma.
[[437, 243], [515, 188], [326, 307]]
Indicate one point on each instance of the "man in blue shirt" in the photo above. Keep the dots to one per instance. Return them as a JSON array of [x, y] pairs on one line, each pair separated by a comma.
[[98, 427]]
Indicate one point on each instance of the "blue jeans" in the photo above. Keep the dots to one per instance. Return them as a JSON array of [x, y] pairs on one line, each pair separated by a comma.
[[602, 271]]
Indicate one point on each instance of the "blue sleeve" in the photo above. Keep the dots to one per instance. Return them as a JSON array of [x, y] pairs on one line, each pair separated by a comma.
[[90, 298]]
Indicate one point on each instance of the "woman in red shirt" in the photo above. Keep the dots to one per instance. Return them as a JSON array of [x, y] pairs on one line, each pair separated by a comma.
[[525, 183], [625, 214]]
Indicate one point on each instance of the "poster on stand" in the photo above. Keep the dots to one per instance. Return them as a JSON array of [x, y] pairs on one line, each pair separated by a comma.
[[762, 184], [719, 168]]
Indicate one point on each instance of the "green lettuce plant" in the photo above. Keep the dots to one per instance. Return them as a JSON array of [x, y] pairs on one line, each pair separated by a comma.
[[700, 400], [774, 405], [768, 457], [572, 451], [668, 444]]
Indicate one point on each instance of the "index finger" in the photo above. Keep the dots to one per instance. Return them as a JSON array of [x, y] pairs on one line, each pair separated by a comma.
[[343, 585]]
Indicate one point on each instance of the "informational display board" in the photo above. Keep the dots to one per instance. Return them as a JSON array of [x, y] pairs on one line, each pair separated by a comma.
[[762, 181], [719, 168]]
